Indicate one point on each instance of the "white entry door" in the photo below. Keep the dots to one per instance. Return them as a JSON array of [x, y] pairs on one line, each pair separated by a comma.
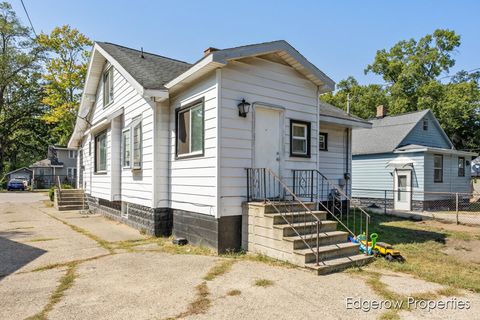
[[402, 190], [267, 139]]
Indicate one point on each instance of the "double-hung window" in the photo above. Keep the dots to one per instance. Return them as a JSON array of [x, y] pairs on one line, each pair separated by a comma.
[[190, 130], [71, 154], [299, 138], [101, 152], [127, 148], [72, 172], [425, 124], [137, 144], [438, 168], [461, 166], [323, 141], [108, 86], [132, 145]]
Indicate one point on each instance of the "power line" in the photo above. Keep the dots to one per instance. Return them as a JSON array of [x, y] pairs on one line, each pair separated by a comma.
[[28, 17]]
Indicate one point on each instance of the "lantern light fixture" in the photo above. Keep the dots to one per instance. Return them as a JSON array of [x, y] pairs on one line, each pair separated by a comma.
[[243, 108]]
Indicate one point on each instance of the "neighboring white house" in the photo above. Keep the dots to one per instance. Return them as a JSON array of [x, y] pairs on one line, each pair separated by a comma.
[[408, 161], [163, 145]]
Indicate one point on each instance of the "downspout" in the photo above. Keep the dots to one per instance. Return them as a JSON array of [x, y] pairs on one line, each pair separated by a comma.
[[347, 159], [318, 127]]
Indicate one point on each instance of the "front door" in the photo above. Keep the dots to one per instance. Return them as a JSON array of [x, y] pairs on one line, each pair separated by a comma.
[[267, 139], [402, 190]]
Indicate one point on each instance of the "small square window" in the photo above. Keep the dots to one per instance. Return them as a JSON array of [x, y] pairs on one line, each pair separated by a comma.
[[71, 154], [323, 141], [299, 139]]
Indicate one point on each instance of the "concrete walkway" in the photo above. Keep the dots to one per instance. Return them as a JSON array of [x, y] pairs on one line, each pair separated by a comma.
[[77, 257]]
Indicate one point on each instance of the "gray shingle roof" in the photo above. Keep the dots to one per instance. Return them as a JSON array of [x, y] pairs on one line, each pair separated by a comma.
[[386, 133], [152, 71], [328, 110]]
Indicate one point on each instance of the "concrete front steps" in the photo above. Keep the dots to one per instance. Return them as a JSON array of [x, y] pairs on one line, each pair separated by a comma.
[[270, 234], [70, 199]]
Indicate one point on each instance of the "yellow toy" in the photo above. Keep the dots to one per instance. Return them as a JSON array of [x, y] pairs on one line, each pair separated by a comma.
[[388, 251]]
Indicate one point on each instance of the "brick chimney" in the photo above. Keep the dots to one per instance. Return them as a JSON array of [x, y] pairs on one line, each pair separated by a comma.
[[381, 111], [209, 50]]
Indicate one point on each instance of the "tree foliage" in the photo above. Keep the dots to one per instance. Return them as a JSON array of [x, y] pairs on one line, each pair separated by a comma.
[[22, 132], [412, 71], [64, 78]]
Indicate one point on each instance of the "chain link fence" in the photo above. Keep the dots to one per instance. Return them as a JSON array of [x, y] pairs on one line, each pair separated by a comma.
[[448, 206]]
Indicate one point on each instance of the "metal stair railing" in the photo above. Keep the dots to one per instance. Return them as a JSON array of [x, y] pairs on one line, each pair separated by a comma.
[[313, 185], [263, 185]]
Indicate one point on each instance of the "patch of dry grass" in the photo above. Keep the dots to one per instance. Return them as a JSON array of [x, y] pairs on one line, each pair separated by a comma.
[[234, 292], [263, 283], [200, 305], [219, 269]]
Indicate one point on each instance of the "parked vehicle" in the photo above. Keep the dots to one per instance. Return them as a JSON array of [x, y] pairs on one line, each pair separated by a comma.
[[15, 184]]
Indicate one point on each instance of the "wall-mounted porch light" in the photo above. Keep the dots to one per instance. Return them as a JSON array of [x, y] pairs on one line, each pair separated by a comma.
[[243, 108]]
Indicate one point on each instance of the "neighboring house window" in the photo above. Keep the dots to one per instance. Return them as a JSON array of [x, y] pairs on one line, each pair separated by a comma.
[[437, 168], [108, 87], [323, 141], [101, 152], [461, 166], [127, 148], [299, 138], [190, 130], [425, 124], [72, 172], [71, 154], [137, 144]]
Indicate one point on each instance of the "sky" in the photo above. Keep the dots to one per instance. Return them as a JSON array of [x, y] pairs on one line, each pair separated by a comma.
[[339, 37]]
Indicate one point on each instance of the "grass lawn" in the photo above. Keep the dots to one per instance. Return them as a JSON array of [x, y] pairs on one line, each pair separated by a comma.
[[434, 251]]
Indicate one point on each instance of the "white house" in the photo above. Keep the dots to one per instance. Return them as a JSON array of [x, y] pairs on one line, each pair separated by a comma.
[[163, 144]]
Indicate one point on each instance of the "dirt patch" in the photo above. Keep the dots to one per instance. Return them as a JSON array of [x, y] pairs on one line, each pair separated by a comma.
[[468, 251], [450, 226]]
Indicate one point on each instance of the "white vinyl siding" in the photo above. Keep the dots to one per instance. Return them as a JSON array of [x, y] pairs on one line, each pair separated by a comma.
[[131, 186], [193, 180], [258, 80]]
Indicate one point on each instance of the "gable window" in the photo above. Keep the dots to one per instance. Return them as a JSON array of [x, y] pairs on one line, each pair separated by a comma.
[[323, 141], [71, 154], [101, 152], [127, 148], [461, 166], [190, 130], [425, 124], [299, 139], [108, 87], [437, 168]]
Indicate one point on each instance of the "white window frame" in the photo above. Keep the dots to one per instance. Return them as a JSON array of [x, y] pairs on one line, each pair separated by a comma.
[[72, 154], [300, 138], [126, 133], [323, 135], [461, 160], [198, 104], [137, 124], [108, 83], [438, 168], [71, 172], [425, 124], [97, 153], [130, 131]]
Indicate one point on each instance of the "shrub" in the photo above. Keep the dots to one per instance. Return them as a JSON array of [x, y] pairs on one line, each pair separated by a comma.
[[51, 193]]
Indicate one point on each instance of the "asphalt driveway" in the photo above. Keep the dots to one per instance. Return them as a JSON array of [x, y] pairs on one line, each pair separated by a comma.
[[64, 265]]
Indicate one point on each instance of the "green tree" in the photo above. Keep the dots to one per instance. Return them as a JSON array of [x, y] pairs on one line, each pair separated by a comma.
[[64, 79], [413, 72], [22, 132]]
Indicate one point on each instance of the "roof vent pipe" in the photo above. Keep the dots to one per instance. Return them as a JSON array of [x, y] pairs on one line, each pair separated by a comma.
[[141, 55]]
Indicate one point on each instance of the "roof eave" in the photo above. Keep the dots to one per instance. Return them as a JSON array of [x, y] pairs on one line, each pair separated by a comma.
[[351, 123]]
